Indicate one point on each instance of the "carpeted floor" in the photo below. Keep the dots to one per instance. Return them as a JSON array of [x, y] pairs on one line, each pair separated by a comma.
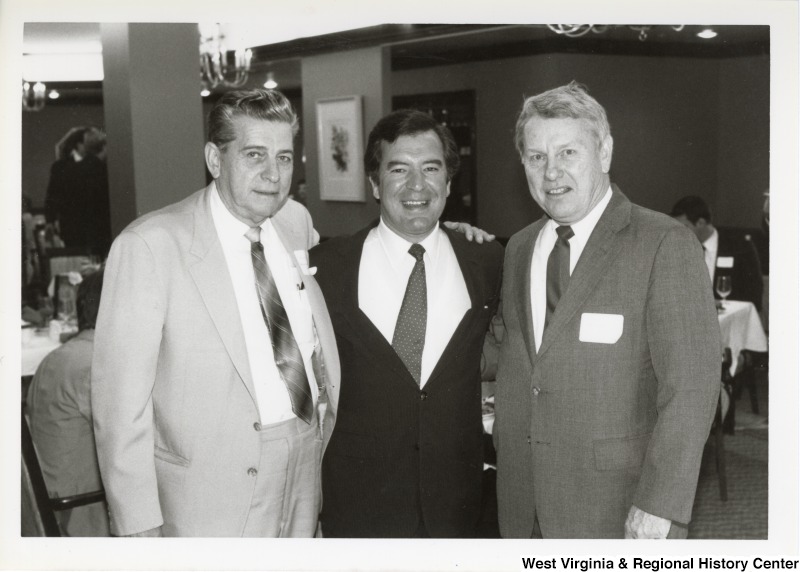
[[744, 514]]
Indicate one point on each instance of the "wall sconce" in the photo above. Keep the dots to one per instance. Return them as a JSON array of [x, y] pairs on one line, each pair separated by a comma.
[[33, 96]]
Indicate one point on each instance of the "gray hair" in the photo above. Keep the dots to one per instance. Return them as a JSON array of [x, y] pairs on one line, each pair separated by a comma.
[[568, 101], [266, 104]]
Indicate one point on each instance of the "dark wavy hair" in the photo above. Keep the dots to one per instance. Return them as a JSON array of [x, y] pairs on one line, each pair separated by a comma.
[[266, 104], [407, 122], [693, 207]]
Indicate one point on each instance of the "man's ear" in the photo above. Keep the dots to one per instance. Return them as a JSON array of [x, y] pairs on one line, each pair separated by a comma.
[[376, 189], [212, 153], [606, 151]]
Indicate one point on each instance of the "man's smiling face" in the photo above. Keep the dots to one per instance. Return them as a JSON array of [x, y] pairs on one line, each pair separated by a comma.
[[566, 166], [412, 184]]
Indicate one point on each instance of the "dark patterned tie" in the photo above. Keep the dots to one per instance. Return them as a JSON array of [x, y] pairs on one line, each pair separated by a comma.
[[409, 333], [287, 353], [557, 270]]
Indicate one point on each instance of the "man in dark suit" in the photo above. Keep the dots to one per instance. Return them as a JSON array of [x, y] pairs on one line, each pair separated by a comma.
[[609, 370], [726, 253], [410, 304]]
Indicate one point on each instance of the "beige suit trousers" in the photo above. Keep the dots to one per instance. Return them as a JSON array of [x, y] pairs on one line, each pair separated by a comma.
[[286, 500]]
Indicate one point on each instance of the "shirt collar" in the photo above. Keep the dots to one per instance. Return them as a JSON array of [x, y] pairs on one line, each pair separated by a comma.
[[585, 226], [396, 247], [711, 244], [228, 226]]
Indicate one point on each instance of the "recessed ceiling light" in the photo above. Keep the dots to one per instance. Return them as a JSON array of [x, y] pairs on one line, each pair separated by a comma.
[[204, 93], [707, 34], [53, 94], [270, 83]]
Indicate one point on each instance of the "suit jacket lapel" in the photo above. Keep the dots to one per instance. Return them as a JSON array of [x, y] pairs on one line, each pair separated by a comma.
[[476, 287], [210, 274], [358, 327], [592, 265]]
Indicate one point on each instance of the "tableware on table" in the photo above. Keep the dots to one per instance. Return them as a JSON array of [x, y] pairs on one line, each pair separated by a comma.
[[724, 286], [28, 331]]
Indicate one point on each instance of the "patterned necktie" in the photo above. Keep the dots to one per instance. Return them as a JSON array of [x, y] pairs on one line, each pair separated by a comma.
[[287, 353], [409, 333], [557, 270]]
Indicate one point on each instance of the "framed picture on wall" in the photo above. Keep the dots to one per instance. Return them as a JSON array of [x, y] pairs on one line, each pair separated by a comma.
[[340, 143]]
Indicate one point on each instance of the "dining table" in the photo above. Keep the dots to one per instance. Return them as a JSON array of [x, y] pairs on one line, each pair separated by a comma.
[[35, 349], [740, 329]]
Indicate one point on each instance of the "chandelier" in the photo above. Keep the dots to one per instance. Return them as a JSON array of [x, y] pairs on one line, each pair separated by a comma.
[[33, 96], [578, 30], [217, 67]]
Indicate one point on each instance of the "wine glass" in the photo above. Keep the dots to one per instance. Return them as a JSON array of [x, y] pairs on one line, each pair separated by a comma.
[[723, 286]]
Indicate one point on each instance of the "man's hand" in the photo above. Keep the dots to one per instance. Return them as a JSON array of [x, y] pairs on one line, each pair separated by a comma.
[[470, 232], [641, 524], [152, 533]]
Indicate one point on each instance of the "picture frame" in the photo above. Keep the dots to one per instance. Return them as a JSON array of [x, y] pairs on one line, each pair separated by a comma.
[[340, 144]]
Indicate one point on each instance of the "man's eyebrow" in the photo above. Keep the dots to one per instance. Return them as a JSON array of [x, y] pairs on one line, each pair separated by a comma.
[[264, 148], [391, 164]]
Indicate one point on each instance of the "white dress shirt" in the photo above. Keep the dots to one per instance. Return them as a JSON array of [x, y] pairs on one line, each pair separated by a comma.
[[382, 279], [541, 252], [710, 248], [271, 394]]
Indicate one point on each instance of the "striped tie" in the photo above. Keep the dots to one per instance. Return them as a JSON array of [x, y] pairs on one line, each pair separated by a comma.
[[287, 353]]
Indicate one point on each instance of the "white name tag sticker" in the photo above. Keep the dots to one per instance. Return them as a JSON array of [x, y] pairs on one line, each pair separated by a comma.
[[725, 262], [601, 328]]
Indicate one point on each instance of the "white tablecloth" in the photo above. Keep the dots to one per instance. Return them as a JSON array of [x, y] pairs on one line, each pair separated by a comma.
[[35, 350], [740, 327]]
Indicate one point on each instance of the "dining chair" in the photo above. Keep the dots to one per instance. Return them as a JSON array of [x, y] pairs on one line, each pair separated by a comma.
[[38, 509], [717, 428]]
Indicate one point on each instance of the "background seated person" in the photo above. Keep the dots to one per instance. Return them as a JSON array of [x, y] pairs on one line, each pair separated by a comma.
[[61, 419], [726, 252]]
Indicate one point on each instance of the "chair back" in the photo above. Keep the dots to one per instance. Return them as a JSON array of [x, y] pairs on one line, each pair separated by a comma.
[[38, 517]]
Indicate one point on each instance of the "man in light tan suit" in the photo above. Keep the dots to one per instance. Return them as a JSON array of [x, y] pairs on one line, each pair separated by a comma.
[[215, 375], [608, 375]]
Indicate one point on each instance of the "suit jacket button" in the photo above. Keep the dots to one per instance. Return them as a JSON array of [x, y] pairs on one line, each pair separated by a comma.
[[536, 391], [252, 471], [423, 396], [529, 439], [257, 426]]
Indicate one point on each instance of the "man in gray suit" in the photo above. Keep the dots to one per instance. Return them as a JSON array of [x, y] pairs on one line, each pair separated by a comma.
[[609, 370]]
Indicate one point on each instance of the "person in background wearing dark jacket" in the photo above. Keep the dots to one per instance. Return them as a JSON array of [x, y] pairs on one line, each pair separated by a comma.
[[726, 253], [77, 192]]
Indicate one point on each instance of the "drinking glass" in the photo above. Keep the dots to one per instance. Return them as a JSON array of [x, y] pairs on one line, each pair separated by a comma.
[[723, 286]]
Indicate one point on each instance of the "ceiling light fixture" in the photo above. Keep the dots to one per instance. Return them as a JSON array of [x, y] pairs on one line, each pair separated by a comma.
[[707, 34], [270, 83], [217, 68], [578, 30], [53, 94]]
